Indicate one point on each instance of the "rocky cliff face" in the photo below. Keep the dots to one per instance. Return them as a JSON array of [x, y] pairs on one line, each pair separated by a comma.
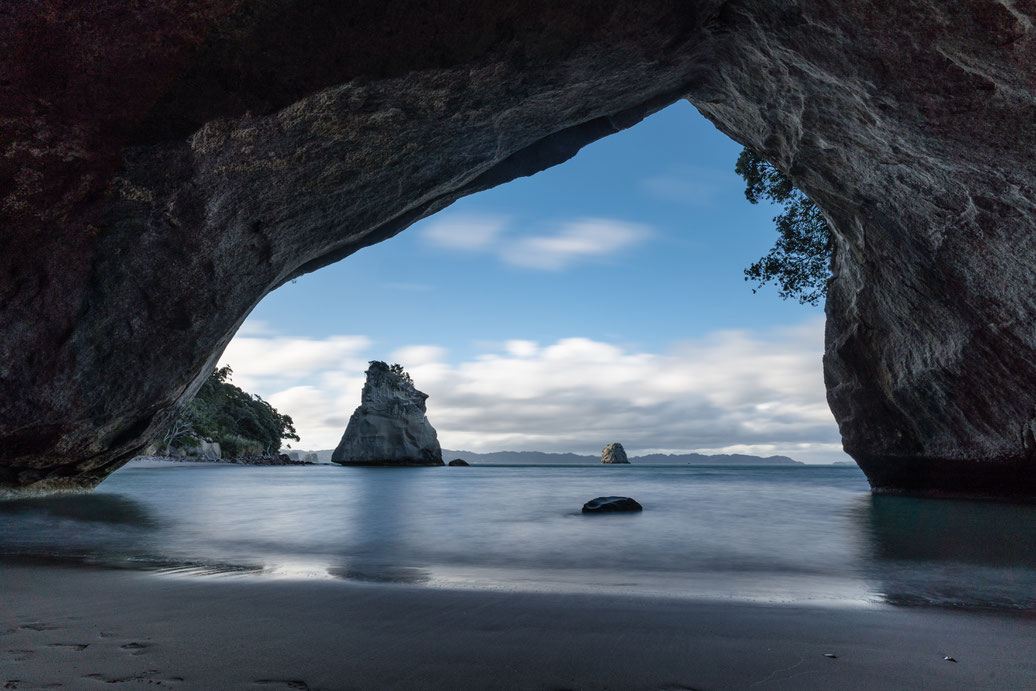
[[390, 427], [614, 453], [149, 153]]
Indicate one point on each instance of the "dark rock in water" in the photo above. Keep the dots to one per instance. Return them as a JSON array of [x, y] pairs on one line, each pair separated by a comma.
[[279, 459], [458, 462], [614, 453], [171, 165], [390, 427], [610, 504]]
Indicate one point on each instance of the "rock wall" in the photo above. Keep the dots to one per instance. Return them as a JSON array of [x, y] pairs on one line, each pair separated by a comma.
[[913, 127], [390, 427], [150, 152], [208, 449]]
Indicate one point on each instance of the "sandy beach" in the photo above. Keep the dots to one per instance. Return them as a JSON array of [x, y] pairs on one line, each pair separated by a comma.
[[85, 628]]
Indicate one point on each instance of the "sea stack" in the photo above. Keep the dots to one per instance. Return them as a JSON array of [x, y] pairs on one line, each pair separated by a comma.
[[390, 427], [614, 453]]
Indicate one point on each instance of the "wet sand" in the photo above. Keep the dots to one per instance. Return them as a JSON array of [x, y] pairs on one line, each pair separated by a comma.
[[84, 628]]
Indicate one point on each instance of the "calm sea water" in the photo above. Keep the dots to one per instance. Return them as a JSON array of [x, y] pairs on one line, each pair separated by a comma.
[[772, 534]]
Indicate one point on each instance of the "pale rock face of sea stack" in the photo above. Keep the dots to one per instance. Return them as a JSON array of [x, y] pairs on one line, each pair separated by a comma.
[[614, 453], [390, 427]]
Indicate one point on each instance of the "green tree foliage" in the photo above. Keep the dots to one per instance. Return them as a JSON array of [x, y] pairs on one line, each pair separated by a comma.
[[799, 263], [397, 369], [242, 423]]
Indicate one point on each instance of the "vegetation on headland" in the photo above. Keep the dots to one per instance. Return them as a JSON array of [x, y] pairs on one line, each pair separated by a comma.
[[799, 263], [243, 424]]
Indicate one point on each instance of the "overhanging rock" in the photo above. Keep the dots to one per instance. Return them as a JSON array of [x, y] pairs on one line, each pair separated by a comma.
[[167, 165]]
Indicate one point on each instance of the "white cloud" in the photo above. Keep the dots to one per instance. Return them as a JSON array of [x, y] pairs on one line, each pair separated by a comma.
[[468, 232], [574, 241], [519, 348], [320, 414], [730, 392], [690, 185], [565, 244], [259, 361], [415, 356], [256, 327], [292, 357]]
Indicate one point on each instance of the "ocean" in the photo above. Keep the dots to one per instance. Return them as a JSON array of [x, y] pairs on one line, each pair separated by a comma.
[[780, 534]]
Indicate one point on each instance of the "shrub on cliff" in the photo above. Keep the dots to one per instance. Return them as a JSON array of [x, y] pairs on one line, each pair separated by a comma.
[[395, 368], [799, 263], [242, 423]]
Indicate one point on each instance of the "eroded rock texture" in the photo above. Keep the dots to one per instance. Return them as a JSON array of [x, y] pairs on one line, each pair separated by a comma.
[[165, 165], [614, 453], [390, 427]]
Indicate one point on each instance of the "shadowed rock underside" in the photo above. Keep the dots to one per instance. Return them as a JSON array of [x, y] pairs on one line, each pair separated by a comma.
[[166, 165]]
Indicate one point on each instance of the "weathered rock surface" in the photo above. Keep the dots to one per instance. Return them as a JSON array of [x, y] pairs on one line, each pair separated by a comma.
[[391, 426], [611, 505], [208, 450], [274, 459], [614, 453], [165, 165]]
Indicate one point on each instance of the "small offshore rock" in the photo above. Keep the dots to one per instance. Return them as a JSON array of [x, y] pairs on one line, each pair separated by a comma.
[[610, 504], [949, 659], [614, 453], [459, 462], [830, 655]]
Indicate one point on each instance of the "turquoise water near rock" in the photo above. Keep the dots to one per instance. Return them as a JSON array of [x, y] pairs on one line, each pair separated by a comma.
[[797, 534]]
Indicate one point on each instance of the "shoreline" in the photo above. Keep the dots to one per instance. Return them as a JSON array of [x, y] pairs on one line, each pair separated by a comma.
[[83, 626], [160, 461]]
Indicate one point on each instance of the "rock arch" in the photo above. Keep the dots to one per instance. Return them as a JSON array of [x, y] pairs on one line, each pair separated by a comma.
[[167, 166]]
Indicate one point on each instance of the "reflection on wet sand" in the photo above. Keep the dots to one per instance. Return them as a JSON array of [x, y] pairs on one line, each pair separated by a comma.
[[376, 573], [100, 508], [379, 520], [950, 553]]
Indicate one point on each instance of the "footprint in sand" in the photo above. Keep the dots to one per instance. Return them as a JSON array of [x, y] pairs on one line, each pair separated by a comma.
[[150, 676], [287, 683], [137, 648], [39, 626]]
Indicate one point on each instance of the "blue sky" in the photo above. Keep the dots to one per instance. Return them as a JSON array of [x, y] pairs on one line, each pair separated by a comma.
[[604, 296]]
